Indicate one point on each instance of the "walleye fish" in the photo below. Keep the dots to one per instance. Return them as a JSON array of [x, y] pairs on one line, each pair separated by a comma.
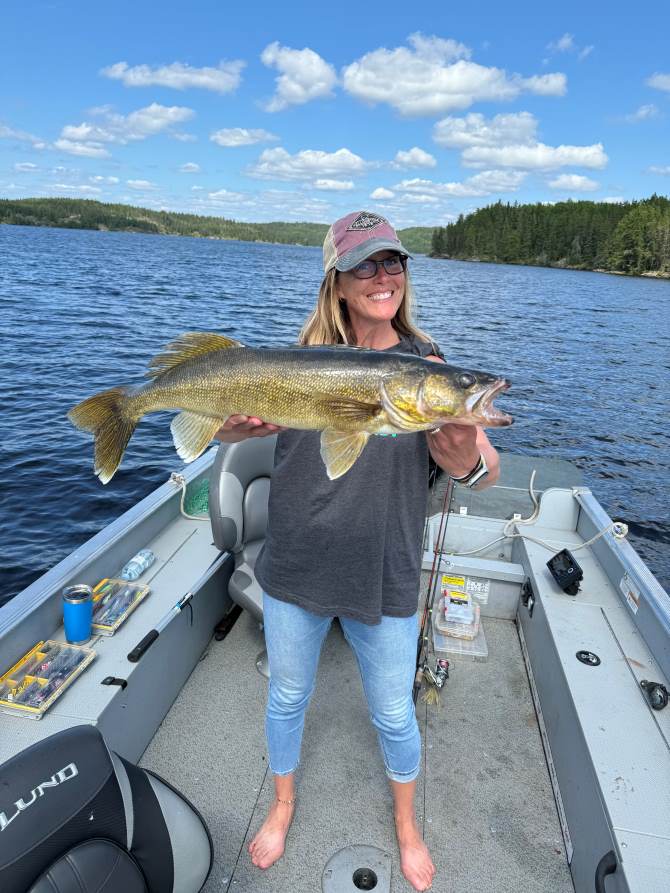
[[348, 393]]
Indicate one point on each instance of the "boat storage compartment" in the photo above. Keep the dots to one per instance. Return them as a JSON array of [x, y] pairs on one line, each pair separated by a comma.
[[606, 748]]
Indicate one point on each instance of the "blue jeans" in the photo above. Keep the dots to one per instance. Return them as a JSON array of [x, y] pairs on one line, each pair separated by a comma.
[[386, 655]]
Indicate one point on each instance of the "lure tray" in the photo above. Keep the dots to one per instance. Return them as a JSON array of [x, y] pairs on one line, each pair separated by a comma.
[[114, 600], [31, 686]]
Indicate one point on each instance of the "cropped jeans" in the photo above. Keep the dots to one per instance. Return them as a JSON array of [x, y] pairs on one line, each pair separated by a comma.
[[386, 655]]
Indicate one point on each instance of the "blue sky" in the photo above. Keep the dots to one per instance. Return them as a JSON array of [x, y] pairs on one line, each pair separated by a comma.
[[300, 111]]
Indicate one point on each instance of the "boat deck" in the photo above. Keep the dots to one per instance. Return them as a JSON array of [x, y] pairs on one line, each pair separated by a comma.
[[484, 801]]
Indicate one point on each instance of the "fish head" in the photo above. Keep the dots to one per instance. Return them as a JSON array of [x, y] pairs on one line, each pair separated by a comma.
[[451, 394]]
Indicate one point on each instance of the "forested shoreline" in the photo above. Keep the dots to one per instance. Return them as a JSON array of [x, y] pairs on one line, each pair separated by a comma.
[[89, 214], [629, 237]]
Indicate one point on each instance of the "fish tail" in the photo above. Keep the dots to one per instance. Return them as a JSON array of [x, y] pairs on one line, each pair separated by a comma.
[[109, 418]]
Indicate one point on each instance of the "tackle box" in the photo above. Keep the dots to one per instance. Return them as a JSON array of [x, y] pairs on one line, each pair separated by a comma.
[[114, 600], [41, 676]]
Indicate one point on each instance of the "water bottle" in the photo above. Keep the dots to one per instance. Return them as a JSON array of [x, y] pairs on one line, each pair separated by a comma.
[[138, 564]]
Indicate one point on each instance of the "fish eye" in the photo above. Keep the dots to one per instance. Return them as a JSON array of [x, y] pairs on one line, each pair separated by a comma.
[[466, 380]]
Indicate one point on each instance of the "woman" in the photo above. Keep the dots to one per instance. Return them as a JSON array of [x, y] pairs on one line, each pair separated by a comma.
[[353, 548]]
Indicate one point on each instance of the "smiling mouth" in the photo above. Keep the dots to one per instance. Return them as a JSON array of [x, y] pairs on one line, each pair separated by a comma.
[[481, 404], [381, 296]]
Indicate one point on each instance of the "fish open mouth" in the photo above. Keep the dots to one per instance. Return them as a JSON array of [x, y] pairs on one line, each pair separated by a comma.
[[481, 404]]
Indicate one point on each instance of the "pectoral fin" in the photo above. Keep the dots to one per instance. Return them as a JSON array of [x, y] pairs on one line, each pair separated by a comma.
[[340, 449], [350, 410], [192, 433]]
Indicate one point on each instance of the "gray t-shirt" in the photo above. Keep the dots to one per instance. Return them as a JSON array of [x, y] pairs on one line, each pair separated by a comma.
[[349, 547]]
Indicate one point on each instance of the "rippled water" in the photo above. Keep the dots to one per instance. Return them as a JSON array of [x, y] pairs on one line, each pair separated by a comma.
[[81, 311]]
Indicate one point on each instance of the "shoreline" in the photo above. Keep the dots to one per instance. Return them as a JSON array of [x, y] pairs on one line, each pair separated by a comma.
[[647, 274]]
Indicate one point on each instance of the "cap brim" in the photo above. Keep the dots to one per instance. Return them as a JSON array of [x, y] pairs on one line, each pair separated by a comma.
[[354, 257]]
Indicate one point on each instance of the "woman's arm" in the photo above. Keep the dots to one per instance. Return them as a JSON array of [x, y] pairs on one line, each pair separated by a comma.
[[456, 449]]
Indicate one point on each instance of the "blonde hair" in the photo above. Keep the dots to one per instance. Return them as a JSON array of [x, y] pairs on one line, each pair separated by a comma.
[[329, 322]]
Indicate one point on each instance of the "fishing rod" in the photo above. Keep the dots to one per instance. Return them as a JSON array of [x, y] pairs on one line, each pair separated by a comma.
[[438, 549], [143, 646]]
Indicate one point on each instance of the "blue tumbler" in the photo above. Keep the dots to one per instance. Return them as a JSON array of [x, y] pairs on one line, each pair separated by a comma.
[[77, 614]]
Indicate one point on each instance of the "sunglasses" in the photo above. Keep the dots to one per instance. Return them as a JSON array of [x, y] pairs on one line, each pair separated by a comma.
[[368, 268]]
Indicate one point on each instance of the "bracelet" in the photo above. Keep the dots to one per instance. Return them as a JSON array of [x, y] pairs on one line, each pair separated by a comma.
[[287, 802], [466, 477]]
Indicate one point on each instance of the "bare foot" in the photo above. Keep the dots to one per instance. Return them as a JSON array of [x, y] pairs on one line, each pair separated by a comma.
[[268, 844], [415, 861]]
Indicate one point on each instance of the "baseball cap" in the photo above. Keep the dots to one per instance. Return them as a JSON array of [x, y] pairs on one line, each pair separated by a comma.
[[358, 235]]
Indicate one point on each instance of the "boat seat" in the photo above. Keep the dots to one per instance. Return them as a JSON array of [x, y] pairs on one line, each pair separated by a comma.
[[78, 818], [239, 489]]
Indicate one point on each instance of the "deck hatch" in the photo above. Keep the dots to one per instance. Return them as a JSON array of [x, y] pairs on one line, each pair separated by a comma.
[[355, 868]]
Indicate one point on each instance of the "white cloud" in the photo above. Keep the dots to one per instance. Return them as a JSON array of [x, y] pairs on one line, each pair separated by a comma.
[[380, 194], [9, 133], [69, 187], [141, 184], [475, 130], [421, 198], [224, 195], [304, 75], [566, 44], [573, 183], [659, 81], [83, 149], [89, 139], [240, 136], [272, 204], [278, 164], [435, 76], [554, 84], [485, 183], [536, 157], [190, 168], [25, 167], [414, 157], [334, 185], [613, 199], [643, 113], [99, 179], [223, 79], [664, 170]]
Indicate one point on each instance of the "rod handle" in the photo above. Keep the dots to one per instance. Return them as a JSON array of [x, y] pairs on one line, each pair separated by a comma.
[[143, 646]]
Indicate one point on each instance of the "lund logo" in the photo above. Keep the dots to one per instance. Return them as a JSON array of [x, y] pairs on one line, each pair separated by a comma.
[[65, 774]]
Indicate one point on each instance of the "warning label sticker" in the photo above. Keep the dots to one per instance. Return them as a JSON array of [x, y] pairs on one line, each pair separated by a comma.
[[631, 593]]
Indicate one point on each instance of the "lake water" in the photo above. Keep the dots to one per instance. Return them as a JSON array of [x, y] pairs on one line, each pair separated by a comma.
[[82, 311]]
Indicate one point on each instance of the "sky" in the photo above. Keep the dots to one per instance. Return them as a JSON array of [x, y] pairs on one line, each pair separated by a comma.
[[302, 111]]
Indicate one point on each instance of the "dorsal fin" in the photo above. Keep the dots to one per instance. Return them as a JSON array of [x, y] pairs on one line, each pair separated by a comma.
[[186, 347]]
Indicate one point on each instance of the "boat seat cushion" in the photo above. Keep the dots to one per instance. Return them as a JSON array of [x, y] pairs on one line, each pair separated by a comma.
[[237, 518], [68, 790], [243, 586], [93, 865]]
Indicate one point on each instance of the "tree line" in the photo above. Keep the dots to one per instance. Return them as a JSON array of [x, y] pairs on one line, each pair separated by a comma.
[[626, 237], [88, 214]]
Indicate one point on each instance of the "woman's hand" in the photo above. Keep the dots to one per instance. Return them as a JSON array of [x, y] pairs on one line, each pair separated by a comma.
[[240, 427], [456, 449]]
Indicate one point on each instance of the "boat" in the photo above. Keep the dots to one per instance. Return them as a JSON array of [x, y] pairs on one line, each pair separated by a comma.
[[546, 757]]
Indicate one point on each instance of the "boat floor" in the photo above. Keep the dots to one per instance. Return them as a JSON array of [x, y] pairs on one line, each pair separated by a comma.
[[484, 799]]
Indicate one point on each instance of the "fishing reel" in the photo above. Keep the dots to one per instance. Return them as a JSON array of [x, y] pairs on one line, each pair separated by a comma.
[[439, 675]]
